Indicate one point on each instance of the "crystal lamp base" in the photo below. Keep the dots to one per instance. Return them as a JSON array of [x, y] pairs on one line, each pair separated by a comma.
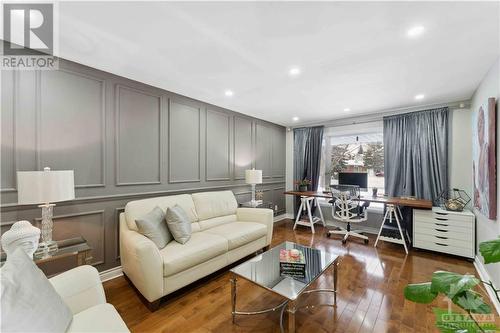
[[45, 250]]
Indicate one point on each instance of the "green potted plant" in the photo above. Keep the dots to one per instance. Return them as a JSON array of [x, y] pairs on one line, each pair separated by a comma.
[[303, 185], [459, 289]]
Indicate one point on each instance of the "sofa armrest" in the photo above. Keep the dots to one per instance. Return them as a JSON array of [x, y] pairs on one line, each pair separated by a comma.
[[259, 215], [80, 288], [141, 262]]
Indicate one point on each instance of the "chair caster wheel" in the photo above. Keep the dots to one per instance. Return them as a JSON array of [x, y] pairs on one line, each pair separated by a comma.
[[344, 241], [366, 241], [328, 234]]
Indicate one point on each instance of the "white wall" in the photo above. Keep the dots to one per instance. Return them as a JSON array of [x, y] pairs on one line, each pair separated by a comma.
[[489, 229], [460, 150]]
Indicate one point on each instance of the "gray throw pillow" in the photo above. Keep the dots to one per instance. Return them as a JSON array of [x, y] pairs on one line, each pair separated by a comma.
[[179, 224], [153, 226], [29, 302]]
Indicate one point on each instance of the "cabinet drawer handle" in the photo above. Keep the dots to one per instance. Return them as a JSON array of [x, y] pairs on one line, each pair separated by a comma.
[[441, 244], [441, 237], [441, 230], [441, 224], [441, 219], [440, 213]]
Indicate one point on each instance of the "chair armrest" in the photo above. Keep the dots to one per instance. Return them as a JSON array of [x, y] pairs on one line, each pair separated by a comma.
[[141, 262], [80, 288], [259, 215]]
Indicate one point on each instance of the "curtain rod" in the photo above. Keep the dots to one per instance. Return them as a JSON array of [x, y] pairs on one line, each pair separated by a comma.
[[378, 116]]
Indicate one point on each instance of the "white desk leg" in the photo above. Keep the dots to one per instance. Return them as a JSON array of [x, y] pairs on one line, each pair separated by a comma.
[[381, 227], [299, 213], [401, 232], [309, 213], [320, 212]]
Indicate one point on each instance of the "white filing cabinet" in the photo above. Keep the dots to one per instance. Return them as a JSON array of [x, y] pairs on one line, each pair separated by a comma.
[[445, 231]]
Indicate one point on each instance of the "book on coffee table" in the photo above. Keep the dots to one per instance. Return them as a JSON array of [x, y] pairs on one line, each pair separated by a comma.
[[292, 263]]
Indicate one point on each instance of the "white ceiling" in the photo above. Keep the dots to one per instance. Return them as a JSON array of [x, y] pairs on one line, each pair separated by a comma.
[[352, 55]]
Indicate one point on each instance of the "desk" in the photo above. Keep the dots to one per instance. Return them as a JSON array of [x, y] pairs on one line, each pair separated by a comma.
[[413, 203], [306, 198], [392, 212]]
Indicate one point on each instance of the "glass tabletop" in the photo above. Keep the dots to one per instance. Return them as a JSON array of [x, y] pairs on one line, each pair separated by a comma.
[[264, 269]]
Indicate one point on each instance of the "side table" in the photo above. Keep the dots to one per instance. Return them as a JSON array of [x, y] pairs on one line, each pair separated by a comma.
[[71, 253], [260, 204]]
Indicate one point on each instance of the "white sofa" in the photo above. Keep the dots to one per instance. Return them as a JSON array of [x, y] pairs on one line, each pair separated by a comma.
[[222, 234], [81, 289]]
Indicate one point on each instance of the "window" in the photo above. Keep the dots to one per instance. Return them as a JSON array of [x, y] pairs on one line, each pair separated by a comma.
[[362, 153]]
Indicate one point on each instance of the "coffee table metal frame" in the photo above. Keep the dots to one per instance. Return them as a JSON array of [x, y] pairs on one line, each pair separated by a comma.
[[289, 304]]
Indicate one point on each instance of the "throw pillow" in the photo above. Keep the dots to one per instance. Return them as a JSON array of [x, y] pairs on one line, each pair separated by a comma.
[[179, 224], [29, 301], [153, 226]]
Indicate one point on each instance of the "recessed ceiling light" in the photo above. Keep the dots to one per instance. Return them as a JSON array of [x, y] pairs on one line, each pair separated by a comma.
[[294, 71], [419, 96], [415, 31], [228, 93], [295, 118], [347, 110]]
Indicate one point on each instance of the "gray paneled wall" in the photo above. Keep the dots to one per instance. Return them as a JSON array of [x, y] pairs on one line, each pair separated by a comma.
[[126, 141]]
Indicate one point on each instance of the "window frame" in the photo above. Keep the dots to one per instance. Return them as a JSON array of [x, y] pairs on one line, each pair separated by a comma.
[[348, 130]]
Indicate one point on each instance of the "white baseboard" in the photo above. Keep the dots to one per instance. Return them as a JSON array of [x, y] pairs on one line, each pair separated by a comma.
[[282, 217], [111, 273], [483, 274]]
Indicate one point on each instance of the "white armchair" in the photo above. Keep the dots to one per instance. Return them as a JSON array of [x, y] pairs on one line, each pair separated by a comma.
[[81, 289]]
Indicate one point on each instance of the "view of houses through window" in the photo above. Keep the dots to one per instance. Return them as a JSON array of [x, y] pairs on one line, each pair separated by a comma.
[[363, 154]]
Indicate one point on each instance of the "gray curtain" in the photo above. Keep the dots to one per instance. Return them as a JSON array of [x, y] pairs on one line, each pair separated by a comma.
[[307, 155], [312, 156], [300, 136], [416, 154]]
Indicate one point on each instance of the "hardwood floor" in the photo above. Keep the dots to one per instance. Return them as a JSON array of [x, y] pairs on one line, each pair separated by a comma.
[[370, 297]]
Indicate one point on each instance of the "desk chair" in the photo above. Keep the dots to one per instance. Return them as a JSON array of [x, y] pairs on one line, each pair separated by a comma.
[[346, 210]]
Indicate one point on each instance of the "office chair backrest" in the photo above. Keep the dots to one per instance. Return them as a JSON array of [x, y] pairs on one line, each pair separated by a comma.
[[344, 208]]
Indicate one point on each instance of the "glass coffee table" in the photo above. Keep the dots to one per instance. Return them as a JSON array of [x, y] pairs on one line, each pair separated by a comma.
[[264, 271]]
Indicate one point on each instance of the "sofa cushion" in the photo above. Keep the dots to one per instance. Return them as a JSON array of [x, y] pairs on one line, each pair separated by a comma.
[[216, 221], [178, 224], [201, 247], [239, 233], [153, 226], [29, 302], [99, 318], [138, 208], [213, 204]]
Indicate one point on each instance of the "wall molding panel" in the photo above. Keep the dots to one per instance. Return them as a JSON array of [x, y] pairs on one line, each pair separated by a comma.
[[214, 147], [65, 147], [14, 97], [137, 133], [126, 141], [181, 152], [98, 252], [243, 146], [263, 149], [116, 218]]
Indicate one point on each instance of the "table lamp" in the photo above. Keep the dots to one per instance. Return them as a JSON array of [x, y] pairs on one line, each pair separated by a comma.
[[253, 177], [44, 188]]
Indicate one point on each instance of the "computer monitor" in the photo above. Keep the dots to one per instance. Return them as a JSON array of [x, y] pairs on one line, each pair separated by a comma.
[[354, 178]]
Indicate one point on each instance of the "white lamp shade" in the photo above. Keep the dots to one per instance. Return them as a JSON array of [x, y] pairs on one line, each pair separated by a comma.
[[253, 176], [40, 187]]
